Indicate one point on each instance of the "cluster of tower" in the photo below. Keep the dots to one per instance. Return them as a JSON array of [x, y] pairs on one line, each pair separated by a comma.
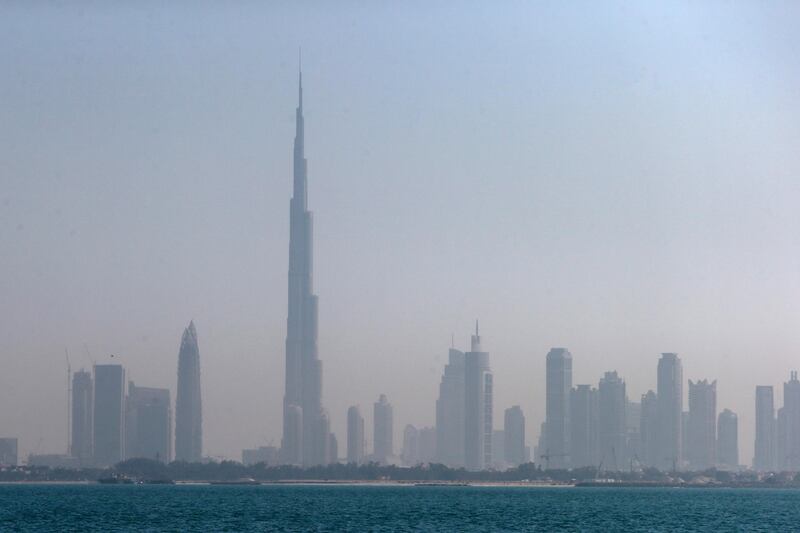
[[113, 420], [585, 426], [601, 428], [777, 442], [464, 435]]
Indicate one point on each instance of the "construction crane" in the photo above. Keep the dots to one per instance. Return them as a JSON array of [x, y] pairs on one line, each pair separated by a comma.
[[88, 354], [546, 456]]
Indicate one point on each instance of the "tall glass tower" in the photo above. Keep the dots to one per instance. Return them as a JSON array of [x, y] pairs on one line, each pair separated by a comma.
[[303, 440], [188, 405]]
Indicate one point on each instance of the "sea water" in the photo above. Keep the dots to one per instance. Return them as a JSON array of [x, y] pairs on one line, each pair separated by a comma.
[[392, 508]]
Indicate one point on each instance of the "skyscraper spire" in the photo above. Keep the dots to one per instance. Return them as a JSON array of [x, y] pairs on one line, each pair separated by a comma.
[[300, 77], [305, 434]]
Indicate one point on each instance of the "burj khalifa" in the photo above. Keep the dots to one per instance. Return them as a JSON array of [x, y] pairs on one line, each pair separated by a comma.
[[306, 428]]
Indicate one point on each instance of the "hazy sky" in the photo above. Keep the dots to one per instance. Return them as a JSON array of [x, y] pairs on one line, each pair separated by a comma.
[[618, 178]]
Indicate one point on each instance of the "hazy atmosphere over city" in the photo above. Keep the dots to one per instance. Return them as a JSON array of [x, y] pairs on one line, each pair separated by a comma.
[[620, 180]]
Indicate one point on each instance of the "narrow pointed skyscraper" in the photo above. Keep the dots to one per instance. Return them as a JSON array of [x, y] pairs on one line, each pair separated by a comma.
[[188, 406], [302, 404], [478, 394]]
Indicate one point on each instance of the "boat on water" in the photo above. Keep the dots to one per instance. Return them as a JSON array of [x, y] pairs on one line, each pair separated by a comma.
[[243, 481]]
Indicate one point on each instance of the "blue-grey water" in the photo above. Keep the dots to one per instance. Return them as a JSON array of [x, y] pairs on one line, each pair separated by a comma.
[[392, 508]]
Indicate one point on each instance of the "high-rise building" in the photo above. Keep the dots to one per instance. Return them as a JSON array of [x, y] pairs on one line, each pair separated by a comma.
[[559, 384], [633, 417], [781, 462], [188, 404], [764, 457], [333, 449], [478, 395], [514, 436], [611, 428], [148, 424], [303, 393], [8, 451], [109, 414], [684, 437], [670, 411], [427, 445], [383, 430], [701, 438], [322, 445], [410, 453], [791, 406], [728, 439], [355, 435], [82, 416], [648, 430], [583, 426], [450, 412]]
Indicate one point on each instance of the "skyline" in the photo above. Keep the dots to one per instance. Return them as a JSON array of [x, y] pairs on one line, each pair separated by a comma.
[[91, 267]]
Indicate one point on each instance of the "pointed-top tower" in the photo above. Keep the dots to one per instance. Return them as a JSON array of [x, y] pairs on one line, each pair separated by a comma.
[[302, 441], [188, 404], [476, 339]]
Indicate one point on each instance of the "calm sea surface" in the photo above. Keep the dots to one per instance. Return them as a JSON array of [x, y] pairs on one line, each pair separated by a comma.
[[391, 508]]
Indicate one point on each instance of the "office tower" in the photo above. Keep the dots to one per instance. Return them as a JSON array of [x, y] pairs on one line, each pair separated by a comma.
[[82, 417], [514, 433], [8, 451], [701, 438], [559, 384], [764, 457], [188, 405], [781, 460], [427, 445], [728, 439], [633, 417], [648, 429], [450, 412], [148, 424], [583, 426], [612, 432], [322, 442], [303, 393], [477, 406], [410, 453], [109, 414], [684, 437], [383, 430], [333, 449], [791, 405], [670, 411], [355, 435]]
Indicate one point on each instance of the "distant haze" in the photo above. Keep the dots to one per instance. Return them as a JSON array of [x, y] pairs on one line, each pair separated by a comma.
[[621, 179]]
